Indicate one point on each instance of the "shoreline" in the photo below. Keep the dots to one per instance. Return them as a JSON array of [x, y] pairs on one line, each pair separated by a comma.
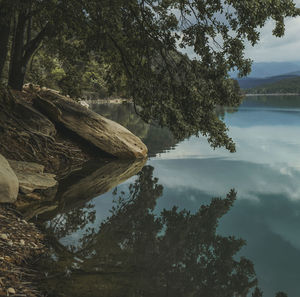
[[42, 143], [273, 94], [21, 245], [108, 101]]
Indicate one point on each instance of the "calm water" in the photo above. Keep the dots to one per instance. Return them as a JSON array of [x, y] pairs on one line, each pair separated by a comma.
[[154, 229]]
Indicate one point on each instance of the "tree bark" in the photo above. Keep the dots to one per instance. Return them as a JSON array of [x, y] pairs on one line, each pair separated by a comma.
[[21, 51], [16, 68], [5, 23]]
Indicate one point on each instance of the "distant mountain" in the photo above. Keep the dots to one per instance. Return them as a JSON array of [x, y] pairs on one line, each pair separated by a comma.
[[294, 73], [283, 86], [249, 82], [268, 69]]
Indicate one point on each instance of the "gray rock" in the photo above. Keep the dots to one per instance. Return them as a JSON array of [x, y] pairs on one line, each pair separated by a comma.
[[3, 236], [11, 291], [20, 166], [9, 185], [84, 103], [32, 118], [105, 134], [31, 176]]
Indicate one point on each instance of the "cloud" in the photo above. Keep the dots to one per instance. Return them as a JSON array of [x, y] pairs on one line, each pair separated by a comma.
[[271, 48]]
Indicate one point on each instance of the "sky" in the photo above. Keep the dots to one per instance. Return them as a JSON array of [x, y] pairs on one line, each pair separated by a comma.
[[283, 49], [271, 48]]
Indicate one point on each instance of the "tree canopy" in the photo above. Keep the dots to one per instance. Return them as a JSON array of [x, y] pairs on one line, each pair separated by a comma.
[[142, 42]]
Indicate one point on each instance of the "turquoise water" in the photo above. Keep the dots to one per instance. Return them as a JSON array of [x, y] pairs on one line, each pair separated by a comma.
[[122, 242]]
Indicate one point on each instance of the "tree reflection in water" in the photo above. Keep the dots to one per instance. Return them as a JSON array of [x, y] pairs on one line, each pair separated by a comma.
[[135, 252]]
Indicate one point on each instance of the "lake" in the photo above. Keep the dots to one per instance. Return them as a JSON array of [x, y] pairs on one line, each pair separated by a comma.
[[155, 228]]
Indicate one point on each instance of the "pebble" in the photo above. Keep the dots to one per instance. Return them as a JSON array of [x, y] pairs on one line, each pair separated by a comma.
[[15, 247], [3, 236], [11, 291]]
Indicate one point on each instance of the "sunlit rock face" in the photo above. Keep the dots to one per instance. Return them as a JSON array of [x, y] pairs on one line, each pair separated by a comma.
[[9, 185], [105, 134]]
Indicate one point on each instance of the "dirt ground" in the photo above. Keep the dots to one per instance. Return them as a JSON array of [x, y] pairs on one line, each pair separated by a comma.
[[21, 245]]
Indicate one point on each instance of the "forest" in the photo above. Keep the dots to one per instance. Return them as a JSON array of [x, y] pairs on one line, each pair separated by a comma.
[[283, 86]]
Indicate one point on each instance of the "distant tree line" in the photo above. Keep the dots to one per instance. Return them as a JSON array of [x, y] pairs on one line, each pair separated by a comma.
[[284, 86]]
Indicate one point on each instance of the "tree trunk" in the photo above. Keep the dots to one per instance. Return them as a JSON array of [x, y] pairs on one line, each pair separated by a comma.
[[21, 51], [5, 23], [17, 69]]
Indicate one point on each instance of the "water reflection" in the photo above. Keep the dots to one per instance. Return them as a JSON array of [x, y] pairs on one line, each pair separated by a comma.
[[158, 140], [103, 248], [93, 179], [135, 252]]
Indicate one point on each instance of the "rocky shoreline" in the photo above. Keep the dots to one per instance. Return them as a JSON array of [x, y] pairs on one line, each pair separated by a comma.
[[44, 137], [21, 244]]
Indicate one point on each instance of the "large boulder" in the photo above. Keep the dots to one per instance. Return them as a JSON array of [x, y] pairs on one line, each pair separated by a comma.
[[9, 185], [33, 119], [103, 133]]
